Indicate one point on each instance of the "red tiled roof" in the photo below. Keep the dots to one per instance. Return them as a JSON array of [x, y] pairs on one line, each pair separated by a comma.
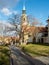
[[33, 29]]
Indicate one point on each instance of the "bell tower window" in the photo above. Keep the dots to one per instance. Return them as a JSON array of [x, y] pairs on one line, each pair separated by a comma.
[[24, 19]]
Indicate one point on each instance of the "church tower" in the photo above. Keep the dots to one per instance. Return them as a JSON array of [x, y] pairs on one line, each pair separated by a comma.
[[24, 17], [24, 24]]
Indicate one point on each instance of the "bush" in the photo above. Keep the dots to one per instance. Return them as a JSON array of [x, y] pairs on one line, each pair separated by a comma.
[[4, 55], [4, 60]]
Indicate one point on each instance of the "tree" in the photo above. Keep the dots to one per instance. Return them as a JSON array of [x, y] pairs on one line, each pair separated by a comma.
[[30, 19], [33, 21], [15, 21]]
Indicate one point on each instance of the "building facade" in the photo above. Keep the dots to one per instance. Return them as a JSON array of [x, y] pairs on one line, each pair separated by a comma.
[[32, 33]]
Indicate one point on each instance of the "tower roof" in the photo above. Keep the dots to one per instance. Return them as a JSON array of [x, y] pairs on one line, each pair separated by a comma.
[[23, 10], [24, 7]]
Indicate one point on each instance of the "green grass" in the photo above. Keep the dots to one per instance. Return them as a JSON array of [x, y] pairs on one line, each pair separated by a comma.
[[4, 55], [36, 50]]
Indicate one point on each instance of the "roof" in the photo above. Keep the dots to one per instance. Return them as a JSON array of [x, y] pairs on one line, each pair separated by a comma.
[[42, 29], [32, 29]]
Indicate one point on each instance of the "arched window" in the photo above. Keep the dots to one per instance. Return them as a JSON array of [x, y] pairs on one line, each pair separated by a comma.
[[24, 19]]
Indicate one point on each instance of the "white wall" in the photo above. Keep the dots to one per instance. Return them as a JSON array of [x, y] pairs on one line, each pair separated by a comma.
[[30, 39]]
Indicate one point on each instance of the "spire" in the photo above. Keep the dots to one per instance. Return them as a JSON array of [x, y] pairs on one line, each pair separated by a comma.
[[23, 10], [24, 7]]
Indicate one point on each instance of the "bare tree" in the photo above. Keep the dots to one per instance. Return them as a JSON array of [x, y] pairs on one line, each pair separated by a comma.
[[15, 21], [33, 21], [30, 19]]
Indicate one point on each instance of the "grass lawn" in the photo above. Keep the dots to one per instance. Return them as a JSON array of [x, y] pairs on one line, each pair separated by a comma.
[[4, 55], [35, 49]]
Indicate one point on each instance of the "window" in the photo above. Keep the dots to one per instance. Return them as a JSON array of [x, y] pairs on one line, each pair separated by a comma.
[[24, 19], [29, 35]]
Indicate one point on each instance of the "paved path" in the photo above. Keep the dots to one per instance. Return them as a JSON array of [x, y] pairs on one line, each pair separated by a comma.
[[19, 58], [43, 59]]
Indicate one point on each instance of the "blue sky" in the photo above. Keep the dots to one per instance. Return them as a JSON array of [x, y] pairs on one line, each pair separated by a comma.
[[37, 8]]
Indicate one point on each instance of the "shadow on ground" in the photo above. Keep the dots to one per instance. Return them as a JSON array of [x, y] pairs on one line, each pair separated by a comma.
[[23, 58]]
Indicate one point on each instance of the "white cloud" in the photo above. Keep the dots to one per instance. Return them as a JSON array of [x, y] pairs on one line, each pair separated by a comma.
[[3, 22], [15, 12], [4, 27], [6, 11], [8, 3]]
